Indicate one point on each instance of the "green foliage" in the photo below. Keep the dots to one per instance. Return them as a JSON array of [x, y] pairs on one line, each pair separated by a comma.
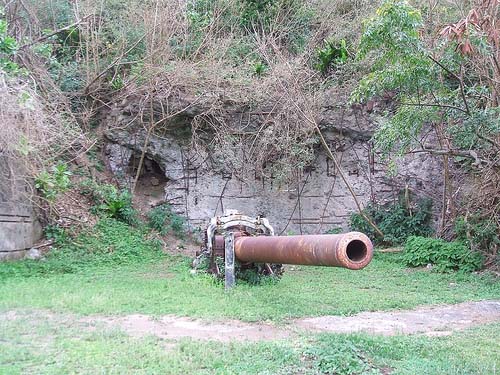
[[259, 68], [478, 234], [331, 54], [426, 91], [162, 219], [109, 243], [340, 356], [444, 256], [335, 230], [397, 221], [289, 19], [8, 48], [111, 202], [50, 184], [56, 233]]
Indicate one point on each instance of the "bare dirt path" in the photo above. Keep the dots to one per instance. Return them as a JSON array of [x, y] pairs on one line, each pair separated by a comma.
[[432, 321]]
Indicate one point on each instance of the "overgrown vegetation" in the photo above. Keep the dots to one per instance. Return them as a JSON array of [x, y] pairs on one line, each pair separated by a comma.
[[444, 81], [109, 243], [397, 221]]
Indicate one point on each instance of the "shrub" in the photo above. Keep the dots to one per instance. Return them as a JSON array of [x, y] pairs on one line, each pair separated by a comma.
[[444, 256], [397, 221], [111, 202], [162, 219]]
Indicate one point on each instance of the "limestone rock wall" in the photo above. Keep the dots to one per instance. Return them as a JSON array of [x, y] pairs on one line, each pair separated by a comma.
[[316, 202]]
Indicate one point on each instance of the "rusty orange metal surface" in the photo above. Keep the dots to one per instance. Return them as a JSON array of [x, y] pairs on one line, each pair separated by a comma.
[[352, 250]]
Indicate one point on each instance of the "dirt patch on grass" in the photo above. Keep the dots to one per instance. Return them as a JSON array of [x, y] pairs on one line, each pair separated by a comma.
[[432, 321], [171, 327]]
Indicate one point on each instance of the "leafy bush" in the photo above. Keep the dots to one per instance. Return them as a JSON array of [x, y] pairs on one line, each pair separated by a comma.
[[397, 221], [8, 47], [444, 256], [109, 243], [50, 184], [162, 219], [111, 202]]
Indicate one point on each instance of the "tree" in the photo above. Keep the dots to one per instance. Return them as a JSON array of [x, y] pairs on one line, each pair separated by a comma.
[[446, 82]]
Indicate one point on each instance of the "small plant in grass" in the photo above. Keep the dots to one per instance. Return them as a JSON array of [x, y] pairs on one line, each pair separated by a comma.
[[51, 183], [334, 230], [339, 356], [444, 256], [56, 233], [259, 68], [162, 219]]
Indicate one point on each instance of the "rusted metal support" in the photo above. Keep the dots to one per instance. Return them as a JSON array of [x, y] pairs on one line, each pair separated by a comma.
[[352, 250], [229, 276]]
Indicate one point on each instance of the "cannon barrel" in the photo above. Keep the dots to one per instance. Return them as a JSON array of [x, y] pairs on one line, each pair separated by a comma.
[[352, 250]]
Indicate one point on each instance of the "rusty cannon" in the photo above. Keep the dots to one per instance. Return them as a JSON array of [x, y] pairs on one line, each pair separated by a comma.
[[236, 244]]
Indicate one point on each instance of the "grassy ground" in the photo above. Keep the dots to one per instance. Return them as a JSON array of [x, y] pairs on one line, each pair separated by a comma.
[[61, 347], [166, 286], [115, 270]]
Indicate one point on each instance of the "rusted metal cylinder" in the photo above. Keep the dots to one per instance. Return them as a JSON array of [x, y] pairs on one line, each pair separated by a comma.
[[352, 250]]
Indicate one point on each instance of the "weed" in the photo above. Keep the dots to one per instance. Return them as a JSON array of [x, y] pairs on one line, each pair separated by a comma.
[[332, 53], [50, 184], [444, 256], [334, 230], [162, 219], [259, 68], [8, 47], [111, 202], [334, 355], [56, 233]]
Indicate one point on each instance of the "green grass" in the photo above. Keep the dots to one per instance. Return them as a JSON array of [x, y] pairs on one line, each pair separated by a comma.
[[166, 286], [62, 346], [116, 269]]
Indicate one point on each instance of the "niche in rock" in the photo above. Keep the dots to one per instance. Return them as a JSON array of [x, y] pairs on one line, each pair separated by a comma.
[[150, 188]]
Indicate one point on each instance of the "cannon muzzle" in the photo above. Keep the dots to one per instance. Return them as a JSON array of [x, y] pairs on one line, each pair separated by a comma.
[[351, 250]]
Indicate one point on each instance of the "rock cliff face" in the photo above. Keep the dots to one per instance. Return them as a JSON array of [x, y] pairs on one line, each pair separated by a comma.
[[195, 185]]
